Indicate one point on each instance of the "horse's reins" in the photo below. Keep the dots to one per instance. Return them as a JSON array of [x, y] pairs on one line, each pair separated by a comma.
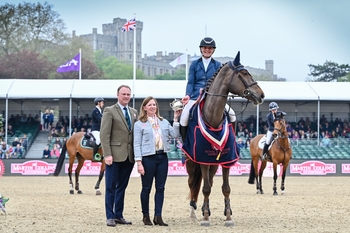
[[246, 91]]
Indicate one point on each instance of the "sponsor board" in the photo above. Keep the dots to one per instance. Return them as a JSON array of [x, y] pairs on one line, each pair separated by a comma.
[[33, 167], [313, 168], [89, 168], [176, 168], [237, 169], [2, 168], [345, 168]]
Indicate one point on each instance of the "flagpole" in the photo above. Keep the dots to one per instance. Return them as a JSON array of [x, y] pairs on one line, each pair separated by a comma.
[[186, 66], [134, 66], [80, 64]]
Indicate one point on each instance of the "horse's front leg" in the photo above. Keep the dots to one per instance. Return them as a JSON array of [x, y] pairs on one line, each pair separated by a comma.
[[226, 190], [206, 192], [275, 179], [283, 177]]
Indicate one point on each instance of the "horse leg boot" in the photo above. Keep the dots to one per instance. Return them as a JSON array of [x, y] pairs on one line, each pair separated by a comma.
[[95, 154], [264, 152], [183, 132]]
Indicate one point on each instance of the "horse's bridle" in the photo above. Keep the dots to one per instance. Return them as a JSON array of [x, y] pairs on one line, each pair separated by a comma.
[[246, 91], [280, 135]]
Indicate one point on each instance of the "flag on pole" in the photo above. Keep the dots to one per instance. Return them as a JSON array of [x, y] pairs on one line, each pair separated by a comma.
[[129, 26], [180, 60], [72, 65]]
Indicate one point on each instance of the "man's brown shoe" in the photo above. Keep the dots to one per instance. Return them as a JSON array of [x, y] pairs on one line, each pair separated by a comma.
[[111, 223]]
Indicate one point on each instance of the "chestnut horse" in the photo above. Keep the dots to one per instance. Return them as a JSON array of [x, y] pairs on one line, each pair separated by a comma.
[[280, 152], [75, 150], [233, 78]]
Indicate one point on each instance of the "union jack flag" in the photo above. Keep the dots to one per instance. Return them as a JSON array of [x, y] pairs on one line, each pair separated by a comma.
[[130, 25]]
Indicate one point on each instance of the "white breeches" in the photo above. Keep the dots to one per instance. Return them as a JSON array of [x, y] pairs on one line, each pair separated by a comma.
[[268, 137], [97, 136]]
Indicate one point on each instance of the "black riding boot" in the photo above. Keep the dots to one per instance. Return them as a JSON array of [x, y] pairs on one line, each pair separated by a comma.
[[264, 152], [95, 154], [183, 132]]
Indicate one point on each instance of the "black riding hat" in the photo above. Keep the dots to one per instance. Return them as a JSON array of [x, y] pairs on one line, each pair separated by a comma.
[[98, 99], [207, 42]]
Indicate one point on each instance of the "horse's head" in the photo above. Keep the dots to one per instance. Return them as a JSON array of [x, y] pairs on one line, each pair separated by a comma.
[[242, 83], [279, 126]]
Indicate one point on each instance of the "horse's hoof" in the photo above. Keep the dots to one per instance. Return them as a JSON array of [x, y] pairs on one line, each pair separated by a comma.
[[229, 223], [275, 194], [71, 191], [283, 193], [80, 192], [205, 223], [98, 192]]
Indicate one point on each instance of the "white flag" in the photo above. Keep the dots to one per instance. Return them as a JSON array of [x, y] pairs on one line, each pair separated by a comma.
[[178, 61]]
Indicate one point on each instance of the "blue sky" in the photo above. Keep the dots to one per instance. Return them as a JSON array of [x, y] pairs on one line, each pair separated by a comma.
[[292, 33]]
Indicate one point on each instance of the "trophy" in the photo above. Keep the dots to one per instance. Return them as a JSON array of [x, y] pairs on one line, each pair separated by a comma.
[[176, 105]]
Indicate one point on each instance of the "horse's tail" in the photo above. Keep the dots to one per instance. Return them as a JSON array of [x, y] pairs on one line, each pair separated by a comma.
[[251, 179], [195, 181], [60, 160]]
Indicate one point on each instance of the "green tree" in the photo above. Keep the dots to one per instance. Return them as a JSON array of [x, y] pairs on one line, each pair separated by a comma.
[[329, 71], [180, 74], [113, 69], [30, 26]]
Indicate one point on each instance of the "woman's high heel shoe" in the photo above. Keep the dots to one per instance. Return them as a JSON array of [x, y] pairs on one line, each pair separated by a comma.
[[157, 220]]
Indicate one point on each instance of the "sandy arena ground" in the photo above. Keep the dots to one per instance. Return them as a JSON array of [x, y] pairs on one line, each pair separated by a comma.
[[311, 204]]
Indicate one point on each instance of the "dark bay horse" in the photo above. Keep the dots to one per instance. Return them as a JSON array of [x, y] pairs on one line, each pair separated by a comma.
[[233, 78], [280, 152], [75, 150]]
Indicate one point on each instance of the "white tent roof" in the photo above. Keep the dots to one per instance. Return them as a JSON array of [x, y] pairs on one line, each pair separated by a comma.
[[161, 89]]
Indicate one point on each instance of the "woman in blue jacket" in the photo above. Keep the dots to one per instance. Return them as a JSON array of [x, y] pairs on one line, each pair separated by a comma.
[[200, 72], [152, 134]]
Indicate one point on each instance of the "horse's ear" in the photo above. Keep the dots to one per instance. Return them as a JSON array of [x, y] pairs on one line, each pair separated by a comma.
[[237, 60]]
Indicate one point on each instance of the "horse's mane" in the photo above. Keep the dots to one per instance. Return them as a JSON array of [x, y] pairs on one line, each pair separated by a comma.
[[210, 81]]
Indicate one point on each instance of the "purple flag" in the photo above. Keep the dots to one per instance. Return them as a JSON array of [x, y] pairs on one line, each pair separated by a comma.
[[72, 65]]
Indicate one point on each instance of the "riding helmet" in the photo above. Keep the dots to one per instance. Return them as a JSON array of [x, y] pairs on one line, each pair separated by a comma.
[[273, 106], [98, 99], [207, 42]]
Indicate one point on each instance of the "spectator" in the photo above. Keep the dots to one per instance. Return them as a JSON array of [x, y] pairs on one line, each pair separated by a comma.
[[18, 152], [5, 150], [15, 143], [55, 152], [46, 119], [30, 118], [58, 143], [247, 143], [10, 131], [51, 118], [24, 118], [46, 153], [240, 143], [326, 142], [24, 142]]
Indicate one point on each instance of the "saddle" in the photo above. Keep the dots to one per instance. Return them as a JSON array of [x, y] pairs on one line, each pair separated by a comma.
[[88, 141]]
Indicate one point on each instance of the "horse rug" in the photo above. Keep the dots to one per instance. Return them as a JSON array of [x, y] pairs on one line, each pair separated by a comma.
[[209, 146]]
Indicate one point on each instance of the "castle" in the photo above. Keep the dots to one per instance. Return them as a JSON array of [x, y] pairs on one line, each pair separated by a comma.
[[120, 44]]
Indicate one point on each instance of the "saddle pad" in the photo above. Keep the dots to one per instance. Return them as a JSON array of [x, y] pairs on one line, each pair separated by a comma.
[[87, 143]]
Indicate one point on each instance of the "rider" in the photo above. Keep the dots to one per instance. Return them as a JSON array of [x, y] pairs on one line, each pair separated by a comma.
[[200, 72], [273, 106], [96, 116]]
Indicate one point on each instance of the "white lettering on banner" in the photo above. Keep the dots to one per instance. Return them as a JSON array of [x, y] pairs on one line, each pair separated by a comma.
[[73, 61], [313, 168], [345, 168], [176, 168]]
